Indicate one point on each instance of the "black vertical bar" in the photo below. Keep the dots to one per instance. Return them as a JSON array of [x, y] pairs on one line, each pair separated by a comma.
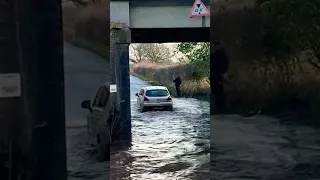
[[51, 143], [10, 108], [125, 102]]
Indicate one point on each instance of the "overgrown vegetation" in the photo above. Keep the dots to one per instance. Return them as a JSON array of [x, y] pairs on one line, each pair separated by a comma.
[[199, 58], [274, 51], [163, 74], [86, 24]]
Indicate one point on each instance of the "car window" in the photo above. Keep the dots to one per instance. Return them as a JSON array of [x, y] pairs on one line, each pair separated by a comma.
[[96, 98], [102, 97], [157, 93]]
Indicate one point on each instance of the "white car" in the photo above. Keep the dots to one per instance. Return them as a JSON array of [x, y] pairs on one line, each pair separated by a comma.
[[154, 97]]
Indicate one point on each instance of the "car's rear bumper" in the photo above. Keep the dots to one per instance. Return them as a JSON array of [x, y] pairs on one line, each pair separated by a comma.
[[162, 104]]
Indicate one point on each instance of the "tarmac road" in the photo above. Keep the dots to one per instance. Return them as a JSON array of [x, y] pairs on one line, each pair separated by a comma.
[[84, 73]]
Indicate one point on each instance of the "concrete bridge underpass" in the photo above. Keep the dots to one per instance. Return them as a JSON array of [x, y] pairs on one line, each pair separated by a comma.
[[148, 21]]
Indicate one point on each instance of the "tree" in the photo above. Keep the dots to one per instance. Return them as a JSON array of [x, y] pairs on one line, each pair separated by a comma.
[[138, 53], [291, 27], [158, 53], [198, 55]]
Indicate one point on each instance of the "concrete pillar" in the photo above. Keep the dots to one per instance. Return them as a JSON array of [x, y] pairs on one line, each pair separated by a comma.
[[120, 38]]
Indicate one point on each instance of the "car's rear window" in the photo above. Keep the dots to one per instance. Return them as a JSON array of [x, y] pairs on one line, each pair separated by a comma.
[[157, 93]]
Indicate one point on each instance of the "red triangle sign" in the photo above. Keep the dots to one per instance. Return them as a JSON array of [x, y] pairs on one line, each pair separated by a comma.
[[198, 9]]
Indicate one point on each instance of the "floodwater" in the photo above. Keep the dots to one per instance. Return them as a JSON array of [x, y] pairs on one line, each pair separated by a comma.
[[166, 145], [262, 148], [84, 73], [178, 145]]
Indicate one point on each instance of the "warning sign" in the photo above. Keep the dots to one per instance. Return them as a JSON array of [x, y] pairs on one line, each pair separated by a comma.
[[198, 9]]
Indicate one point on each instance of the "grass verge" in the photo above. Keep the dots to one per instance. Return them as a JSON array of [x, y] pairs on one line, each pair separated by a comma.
[[171, 88]]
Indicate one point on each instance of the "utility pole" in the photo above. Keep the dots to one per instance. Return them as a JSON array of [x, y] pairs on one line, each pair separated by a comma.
[[10, 92], [51, 138]]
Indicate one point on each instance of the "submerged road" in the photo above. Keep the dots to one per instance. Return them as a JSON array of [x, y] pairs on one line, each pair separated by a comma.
[[262, 148], [166, 145], [84, 73], [176, 145]]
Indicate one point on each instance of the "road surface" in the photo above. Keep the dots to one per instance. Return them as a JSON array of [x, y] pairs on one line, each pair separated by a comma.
[[175, 145]]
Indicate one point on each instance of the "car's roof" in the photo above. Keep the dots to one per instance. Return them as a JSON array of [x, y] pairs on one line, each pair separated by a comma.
[[156, 87]]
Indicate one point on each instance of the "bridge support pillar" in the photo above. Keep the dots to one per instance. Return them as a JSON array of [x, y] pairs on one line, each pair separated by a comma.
[[120, 38]]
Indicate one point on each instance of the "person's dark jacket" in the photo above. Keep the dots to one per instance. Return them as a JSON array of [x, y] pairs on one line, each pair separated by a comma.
[[177, 81], [219, 65]]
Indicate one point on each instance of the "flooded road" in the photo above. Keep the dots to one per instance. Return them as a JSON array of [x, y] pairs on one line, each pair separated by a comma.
[[84, 73], [166, 145], [261, 148], [175, 145]]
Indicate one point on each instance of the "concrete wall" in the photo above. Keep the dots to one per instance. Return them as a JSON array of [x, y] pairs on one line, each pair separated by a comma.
[[154, 16], [164, 17]]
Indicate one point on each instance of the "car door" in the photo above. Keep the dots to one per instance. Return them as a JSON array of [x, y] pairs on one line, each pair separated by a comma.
[[96, 115], [104, 121]]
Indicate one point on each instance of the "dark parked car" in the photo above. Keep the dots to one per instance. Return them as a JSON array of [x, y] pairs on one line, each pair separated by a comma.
[[98, 118]]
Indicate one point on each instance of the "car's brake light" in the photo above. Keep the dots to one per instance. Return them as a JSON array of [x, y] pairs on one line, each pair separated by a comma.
[[169, 98], [145, 98]]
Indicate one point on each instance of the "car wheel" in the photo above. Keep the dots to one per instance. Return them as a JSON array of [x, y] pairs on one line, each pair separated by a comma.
[[103, 147], [170, 108]]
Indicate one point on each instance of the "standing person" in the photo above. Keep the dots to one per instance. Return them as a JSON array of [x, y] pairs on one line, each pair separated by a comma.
[[177, 81], [219, 65]]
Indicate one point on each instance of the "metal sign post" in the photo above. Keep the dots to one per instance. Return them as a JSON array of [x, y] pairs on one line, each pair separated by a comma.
[[203, 21]]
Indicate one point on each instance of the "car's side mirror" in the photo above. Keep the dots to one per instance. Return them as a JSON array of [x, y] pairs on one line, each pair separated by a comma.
[[137, 94], [86, 104]]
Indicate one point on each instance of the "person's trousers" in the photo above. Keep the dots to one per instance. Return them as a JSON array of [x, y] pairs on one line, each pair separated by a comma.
[[218, 95], [178, 91]]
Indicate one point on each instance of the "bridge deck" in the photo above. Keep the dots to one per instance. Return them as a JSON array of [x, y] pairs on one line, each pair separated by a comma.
[[162, 2]]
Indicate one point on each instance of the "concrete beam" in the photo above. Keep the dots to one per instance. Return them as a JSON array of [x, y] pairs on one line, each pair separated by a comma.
[[164, 17]]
